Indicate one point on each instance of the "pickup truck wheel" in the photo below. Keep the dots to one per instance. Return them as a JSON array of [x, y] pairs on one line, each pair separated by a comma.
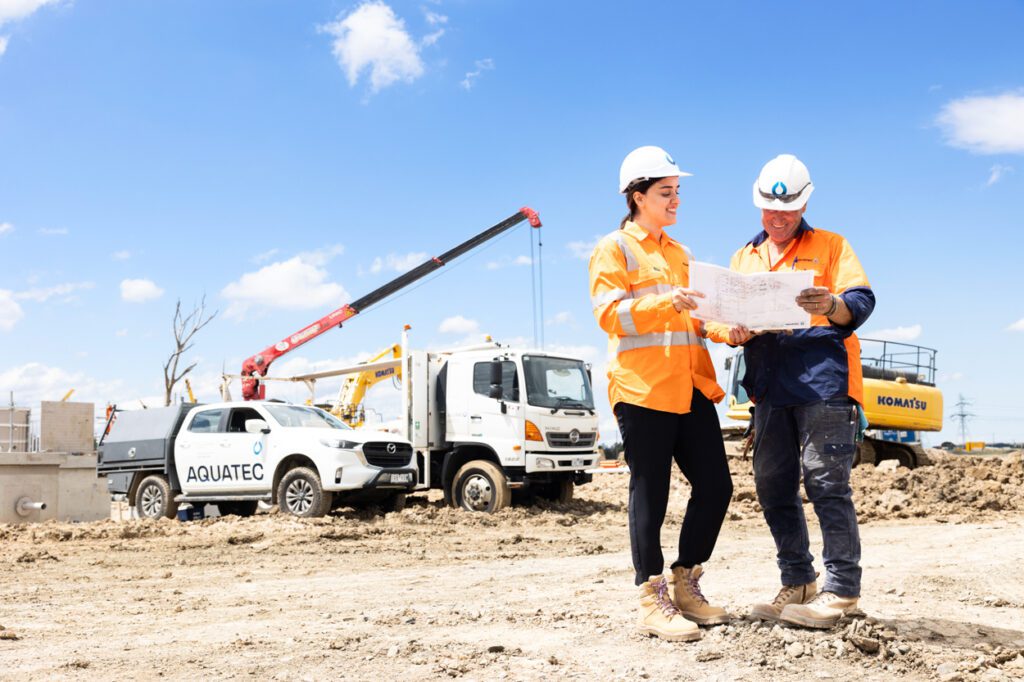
[[393, 503], [481, 486], [153, 499], [300, 493], [238, 507]]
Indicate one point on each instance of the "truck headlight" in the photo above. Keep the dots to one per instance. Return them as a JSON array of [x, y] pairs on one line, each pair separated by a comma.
[[545, 463], [339, 443]]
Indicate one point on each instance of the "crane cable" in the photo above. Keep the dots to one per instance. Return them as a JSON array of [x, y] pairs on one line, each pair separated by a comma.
[[537, 288]]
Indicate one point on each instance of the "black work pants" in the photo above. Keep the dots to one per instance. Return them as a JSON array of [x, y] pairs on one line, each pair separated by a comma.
[[652, 439]]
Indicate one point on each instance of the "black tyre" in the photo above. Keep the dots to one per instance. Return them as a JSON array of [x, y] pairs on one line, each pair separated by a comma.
[[556, 491], [238, 507], [300, 494], [393, 503], [153, 499], [481, 486]]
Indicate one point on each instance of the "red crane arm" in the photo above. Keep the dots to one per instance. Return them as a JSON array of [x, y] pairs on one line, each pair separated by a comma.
[[255, 368]]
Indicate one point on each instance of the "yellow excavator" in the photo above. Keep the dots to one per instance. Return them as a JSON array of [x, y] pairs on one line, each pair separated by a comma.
[[900, 400], [349, 405]]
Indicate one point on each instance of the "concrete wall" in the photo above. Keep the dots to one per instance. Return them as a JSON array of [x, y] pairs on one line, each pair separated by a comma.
[[21, 430], [66, 483], [66, 427]]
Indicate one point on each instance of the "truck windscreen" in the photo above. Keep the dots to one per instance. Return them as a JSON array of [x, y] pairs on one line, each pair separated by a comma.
[[557, 383], [308, 417]]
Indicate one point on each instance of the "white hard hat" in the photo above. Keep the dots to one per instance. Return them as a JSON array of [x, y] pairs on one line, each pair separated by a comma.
[[783, 185], [644, 163]]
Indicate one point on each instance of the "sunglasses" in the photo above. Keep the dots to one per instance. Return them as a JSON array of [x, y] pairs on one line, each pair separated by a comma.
[[784, 198]]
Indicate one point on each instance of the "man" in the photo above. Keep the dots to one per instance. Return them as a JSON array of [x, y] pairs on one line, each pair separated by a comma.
[[806, 387]]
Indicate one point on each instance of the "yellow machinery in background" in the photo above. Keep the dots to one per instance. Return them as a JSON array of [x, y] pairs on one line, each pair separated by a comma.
[[349, 405], [900, 400]]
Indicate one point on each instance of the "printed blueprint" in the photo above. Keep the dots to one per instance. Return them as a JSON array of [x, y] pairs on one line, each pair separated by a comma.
[[759, 300]]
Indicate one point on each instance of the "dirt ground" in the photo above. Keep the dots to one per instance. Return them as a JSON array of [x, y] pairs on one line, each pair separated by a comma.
[[533, 593]]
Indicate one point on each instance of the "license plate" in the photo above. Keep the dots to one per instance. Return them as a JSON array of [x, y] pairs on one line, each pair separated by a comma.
[[401, 478], [577, 462]]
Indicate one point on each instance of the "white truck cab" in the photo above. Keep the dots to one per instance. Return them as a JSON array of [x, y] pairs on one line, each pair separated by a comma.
[[236, 454], [488, 419]]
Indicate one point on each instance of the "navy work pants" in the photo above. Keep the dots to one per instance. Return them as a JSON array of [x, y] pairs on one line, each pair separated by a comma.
[[652, 440], [818, 441]]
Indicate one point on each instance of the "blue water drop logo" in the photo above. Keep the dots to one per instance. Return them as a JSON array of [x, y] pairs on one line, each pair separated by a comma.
[[779, 189], [257, 448]]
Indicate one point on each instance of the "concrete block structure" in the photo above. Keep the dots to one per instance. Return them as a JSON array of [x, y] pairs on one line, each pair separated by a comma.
[[66, 427], [66, 484]]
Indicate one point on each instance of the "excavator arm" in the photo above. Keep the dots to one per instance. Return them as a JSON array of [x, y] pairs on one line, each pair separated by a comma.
[[257, 366], [354, 389]]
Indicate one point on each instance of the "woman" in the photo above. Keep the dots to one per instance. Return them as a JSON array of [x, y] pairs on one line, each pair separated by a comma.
[[662, 389]]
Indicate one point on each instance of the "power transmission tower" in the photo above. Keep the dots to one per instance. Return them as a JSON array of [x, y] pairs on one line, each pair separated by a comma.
[[962, 415]]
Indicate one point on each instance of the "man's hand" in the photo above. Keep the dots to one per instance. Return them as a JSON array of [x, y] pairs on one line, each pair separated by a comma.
[[815, 300], [738, 335], [682, 299]]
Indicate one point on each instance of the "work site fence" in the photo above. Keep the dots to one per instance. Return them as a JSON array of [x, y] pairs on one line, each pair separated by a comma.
[[18, 431]]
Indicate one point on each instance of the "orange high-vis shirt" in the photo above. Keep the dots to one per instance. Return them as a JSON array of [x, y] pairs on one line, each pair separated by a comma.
[[819, 363], [656, 355]]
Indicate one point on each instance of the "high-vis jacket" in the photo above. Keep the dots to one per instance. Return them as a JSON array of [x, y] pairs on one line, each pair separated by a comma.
[[819, 363], [657, 356]]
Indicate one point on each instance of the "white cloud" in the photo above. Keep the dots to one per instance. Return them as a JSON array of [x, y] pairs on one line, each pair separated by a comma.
[[121, 255], [433, 18], [10, 311], [564, 317], [13, 10], [505, 261], [54, 231], [954, 376], [321, 257], [581, 249], [1017, 326], [372, 38], [121, 332], [42, 295], [35, 381], [902, 334], [996, 173], [398, 262], [985, 125], [298, 283], [140, 290], [472, 76], [265, 256], [5, 227], [3, 44], [458, 325]]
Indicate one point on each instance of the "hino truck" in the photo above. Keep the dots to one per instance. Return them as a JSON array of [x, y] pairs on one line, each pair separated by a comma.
[[237, 454]]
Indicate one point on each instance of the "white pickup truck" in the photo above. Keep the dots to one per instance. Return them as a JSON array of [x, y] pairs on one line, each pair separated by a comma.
[[237, 454]]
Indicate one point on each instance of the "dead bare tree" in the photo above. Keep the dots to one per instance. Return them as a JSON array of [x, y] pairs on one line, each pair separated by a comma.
[[185, 327]]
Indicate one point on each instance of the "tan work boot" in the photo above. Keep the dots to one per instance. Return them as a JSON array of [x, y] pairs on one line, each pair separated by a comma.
[[659, 616], [824, 611], [688, 598], [789, 594]]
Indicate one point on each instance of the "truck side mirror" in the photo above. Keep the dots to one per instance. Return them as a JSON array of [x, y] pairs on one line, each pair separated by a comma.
[[496, 390], [256, 426]]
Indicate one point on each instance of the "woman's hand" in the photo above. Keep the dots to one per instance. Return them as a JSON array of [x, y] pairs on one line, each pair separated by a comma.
[[738, 335], [682, 299]]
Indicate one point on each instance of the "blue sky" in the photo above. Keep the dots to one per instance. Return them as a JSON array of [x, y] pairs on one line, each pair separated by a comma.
[[282, 158]]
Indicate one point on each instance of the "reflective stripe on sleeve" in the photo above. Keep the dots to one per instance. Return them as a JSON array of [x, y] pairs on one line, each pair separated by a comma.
[[626, 317], [659, 339], [608, 297], [631, 262], [654, 289]]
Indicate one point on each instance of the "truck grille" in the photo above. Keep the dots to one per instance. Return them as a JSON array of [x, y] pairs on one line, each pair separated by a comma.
[[565, 440], [377, 454]]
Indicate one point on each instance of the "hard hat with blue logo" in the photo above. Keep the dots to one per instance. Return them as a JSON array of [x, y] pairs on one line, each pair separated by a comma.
[[783, 185], [644, 163]]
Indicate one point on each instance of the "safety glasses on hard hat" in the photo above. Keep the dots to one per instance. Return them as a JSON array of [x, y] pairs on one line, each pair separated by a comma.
[[784, 198]]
